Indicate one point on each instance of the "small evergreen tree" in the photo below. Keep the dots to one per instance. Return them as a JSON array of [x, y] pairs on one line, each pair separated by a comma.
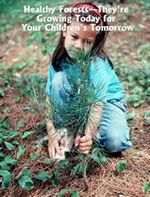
[[74, 115]]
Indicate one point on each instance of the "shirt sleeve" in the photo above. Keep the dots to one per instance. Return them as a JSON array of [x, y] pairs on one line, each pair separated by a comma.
[[100, 78], [51, 73]]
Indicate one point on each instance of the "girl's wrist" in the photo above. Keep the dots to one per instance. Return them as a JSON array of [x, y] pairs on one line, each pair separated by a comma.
[[89, 133]]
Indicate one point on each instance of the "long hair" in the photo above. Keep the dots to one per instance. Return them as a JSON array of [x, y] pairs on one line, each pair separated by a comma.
[[98, 46]]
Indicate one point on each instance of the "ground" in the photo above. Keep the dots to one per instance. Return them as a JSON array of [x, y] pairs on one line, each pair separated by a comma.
[[103, 181]]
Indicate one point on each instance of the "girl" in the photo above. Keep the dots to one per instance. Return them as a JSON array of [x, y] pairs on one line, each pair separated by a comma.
[[110, 128]]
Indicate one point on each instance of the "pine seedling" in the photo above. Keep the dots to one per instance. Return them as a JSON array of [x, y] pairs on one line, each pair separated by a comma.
[[74, 115]]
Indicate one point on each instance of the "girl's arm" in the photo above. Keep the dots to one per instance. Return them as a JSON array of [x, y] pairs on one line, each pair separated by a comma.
[[94, 119], [85, 143], [50, 127], [53, 136]]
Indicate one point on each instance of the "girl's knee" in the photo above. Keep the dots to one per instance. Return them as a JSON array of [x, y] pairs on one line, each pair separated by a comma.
[[60, 89], [115, 143]]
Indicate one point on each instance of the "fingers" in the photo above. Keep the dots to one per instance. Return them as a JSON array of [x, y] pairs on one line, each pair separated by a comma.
[[77, 141], [62, 142], [86, 140], [51, 152], [58, 149], [85, 144], [54, 149], [85, 149]]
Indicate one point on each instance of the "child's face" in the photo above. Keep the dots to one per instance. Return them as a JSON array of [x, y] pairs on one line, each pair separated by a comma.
[[82, 39]]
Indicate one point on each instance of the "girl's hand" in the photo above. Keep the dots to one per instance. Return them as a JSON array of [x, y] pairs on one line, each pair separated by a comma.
[[84, 143], [55, 148]]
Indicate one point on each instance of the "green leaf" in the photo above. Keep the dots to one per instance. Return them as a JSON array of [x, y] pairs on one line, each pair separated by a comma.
[[146, 187], [138, 103], [54, 178], [11, 134], [17, 99], [21, 150], [9, 160], [26, 172], [9, 146], [133, 98], [6, 181], [20, 67], [4, 173], [100, 159], [63, 192], [4, 165], [130, 115], [147, 114], [75, 194], [64, 163], [2, 155], [2, 92], [15, 142], [42, 176], [20, 124], [26, 134], [34, 157], [4, 123], [96, 159], [6, 178], [147, 121], [121, 166], [4, 66], [79, 168], [26, 182], [48, 161]]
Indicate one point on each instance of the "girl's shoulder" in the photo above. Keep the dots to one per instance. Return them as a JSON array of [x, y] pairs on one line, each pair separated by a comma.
[[102, 62], [99, 60]]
